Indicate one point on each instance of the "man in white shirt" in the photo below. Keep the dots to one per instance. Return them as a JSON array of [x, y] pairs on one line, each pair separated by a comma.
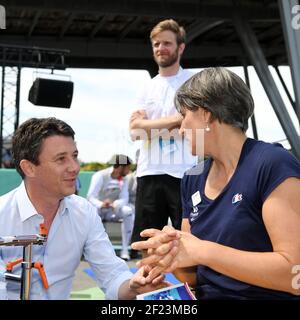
[[108, 192], [164, 154], [45, 155]]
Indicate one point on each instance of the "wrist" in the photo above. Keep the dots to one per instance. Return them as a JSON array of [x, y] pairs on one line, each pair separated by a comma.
[[127, 291], [206, 253], [177, 119]]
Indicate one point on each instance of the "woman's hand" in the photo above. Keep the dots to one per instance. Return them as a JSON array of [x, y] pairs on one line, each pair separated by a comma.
[[168, 250]]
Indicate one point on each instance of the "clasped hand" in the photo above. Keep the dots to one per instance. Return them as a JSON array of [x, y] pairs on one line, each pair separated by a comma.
[[167, 249]]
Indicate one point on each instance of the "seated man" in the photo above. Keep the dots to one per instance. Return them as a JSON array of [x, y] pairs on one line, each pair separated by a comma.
[[108, 192], [45, 155]]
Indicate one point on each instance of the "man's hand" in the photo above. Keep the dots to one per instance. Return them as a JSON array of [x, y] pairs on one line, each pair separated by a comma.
[[139, 284], [106, 203], [139, 114], [134, 124]]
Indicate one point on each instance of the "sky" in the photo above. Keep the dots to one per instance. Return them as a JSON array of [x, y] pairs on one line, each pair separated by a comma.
[[104, 99]]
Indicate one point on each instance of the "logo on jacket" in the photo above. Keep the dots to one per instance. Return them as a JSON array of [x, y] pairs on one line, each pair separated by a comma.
[[194, 214], [237, 198]]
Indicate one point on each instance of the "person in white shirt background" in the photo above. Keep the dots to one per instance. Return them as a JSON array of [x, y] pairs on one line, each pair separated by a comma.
[[45, 155], [108, 192]]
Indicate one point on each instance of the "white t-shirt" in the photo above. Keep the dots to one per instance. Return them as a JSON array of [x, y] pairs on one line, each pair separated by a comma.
[[163, 156]]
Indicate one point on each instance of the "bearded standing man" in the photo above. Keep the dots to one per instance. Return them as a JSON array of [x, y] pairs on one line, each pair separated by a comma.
[[164, 154]]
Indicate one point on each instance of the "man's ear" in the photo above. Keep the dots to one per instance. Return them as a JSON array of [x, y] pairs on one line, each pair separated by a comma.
[[27, 167], [181, 48]]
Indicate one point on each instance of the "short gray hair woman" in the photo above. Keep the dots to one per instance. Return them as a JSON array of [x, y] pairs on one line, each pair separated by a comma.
[[219, 91], [241, 215]]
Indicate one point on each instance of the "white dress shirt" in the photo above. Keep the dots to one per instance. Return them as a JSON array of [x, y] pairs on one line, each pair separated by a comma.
[[75, 231]]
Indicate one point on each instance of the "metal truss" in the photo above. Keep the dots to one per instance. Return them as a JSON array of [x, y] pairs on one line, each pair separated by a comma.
[[13, 58]]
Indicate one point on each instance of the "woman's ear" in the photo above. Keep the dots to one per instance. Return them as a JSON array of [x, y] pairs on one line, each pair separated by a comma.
[[207, 116], [27, 167]]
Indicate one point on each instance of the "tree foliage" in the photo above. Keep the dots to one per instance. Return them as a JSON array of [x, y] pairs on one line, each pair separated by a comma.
[[96, 166], [93, 166]]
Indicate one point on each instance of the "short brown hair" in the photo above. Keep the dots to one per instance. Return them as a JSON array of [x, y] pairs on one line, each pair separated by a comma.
[[29, 137], [170, 25]]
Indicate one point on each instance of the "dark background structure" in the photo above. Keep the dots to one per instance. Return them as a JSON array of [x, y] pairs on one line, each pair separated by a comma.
[[114, 34]]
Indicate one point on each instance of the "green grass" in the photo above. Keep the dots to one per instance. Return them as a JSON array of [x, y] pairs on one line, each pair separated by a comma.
[[88, 294]]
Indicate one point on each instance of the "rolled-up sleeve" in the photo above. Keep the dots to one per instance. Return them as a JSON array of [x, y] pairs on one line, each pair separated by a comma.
[[110, 271]]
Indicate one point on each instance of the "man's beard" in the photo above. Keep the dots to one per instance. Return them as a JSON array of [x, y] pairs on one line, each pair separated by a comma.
[[170, 61]]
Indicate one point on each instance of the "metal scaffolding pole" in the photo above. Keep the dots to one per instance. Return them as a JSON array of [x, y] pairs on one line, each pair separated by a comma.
[[289, 10], [257, 58], [10, 104], [292, 102], [253, 121]]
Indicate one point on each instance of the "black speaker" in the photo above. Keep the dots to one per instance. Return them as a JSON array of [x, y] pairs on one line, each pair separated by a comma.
[[51, 93]]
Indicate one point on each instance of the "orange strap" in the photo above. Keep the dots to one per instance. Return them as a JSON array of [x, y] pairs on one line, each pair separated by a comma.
[[40, 267], [10, 265], [43, 230]]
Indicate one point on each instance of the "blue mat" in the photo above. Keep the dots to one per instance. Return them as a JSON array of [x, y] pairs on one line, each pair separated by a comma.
[[169, 276]]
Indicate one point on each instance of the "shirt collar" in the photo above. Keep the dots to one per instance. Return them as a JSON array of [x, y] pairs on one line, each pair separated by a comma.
[[179, 72], [26, 208]]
